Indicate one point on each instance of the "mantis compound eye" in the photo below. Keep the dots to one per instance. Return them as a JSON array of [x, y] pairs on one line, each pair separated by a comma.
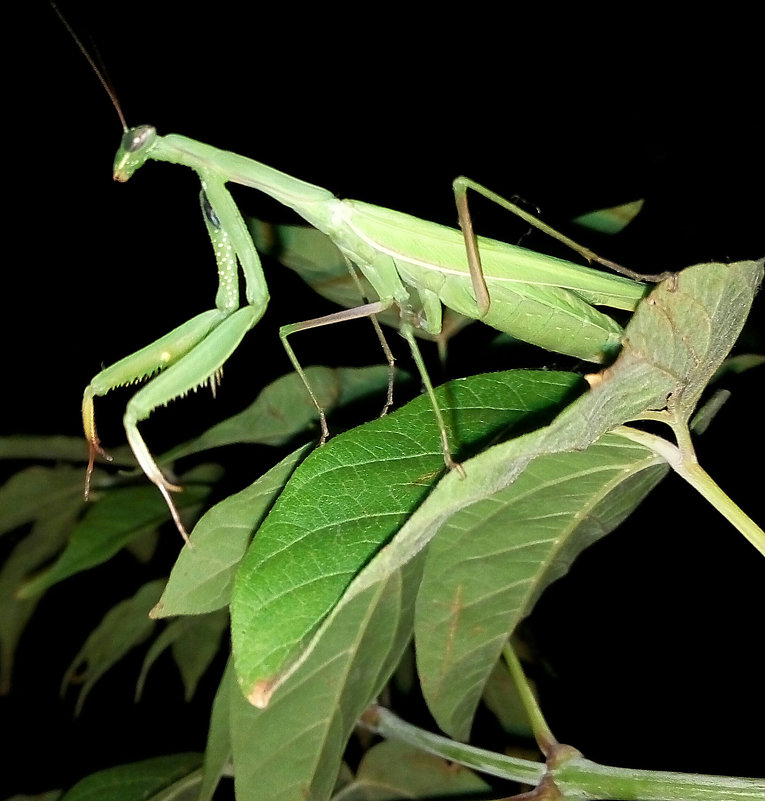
[[136, 138]]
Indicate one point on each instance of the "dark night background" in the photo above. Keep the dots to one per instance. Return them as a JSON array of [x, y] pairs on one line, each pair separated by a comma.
[[654, 639]]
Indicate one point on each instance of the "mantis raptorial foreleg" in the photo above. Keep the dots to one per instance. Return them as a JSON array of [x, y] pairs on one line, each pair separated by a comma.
[[194, 353]]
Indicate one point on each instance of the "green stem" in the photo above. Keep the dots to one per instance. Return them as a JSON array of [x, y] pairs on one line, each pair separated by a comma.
[[542, 734], [383, 722], [580, 778], [700, 480], [576, 778]]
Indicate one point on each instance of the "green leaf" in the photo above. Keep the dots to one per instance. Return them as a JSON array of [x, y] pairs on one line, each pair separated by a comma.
[[47, 537], [218, 750], [683, 331], [491, 561], [165, 778], [611, 220], [125, 625], [110, 523], [295, 746], [417, 774], [284, 408], [194, 641], [38, 492], [44, 448], [739, 364], [349, 497], [502, 697], [203, 576], [195, 650]]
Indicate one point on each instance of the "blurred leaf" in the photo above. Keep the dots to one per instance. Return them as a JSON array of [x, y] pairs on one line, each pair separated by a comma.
[[195, 650], [165, 778], [125, 625], [417, 774], [44, 448], [203, 576], [38, 492], [218, 750], [47, 537], [612, 220], [739, 364], [194, 641], [114, 519], [284, 408]]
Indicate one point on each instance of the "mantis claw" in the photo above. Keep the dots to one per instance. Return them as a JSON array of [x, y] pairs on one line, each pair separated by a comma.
[[165, 489], [456, 466], [94, 449]]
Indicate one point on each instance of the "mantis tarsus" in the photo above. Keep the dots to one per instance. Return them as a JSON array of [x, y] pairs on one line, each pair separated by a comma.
[[415, 266]]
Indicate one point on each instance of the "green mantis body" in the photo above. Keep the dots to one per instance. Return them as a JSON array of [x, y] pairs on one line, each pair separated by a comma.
[[415, 266]]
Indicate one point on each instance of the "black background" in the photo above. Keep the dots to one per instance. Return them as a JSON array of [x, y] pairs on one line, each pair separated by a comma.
[[654, 638]]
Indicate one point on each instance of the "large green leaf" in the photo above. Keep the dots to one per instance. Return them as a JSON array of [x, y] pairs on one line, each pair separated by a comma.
[[295, 746], [349, 497], [491, 561]]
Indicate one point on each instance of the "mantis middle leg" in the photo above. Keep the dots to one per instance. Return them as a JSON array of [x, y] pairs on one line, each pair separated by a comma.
[[406, 330]]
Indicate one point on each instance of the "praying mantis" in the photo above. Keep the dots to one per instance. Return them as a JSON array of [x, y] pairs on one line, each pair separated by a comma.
[[414, 266]]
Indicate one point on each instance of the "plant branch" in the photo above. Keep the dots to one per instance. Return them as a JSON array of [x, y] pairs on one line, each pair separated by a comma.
[[700, 480], [575, 778], [382, 721]]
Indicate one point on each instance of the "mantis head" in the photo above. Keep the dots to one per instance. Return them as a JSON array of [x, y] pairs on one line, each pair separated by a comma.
[[134, 149]]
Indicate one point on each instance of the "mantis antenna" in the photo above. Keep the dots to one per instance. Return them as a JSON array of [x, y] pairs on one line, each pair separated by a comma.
[[95, 67]]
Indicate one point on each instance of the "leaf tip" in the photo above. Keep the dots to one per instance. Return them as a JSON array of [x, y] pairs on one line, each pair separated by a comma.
[[261, 693]]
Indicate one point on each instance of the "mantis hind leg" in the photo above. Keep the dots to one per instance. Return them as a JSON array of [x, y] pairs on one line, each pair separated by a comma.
[[461, 186]]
